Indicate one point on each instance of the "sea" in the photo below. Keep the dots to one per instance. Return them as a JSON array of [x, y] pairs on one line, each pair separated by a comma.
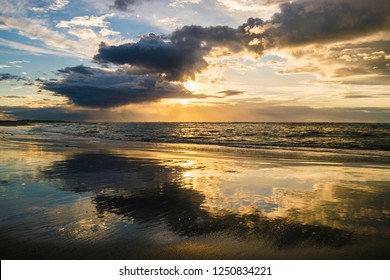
[[293, 136], [83, 190]]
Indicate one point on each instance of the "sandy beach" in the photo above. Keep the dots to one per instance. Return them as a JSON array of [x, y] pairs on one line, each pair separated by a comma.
[[76, 198]]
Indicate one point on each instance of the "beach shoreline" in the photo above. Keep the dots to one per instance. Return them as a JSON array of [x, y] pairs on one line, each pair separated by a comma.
[[84, 198]]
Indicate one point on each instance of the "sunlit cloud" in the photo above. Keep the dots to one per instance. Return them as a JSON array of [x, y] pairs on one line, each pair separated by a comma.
[[85, 21], [14, 7], [190, 85], [32, 49], [182, 3], [54, 5], [84, 34], [248, 5], [36, 29]]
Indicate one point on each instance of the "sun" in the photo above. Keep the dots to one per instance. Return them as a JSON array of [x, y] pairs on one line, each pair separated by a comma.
[[184, 101], [190, 85]]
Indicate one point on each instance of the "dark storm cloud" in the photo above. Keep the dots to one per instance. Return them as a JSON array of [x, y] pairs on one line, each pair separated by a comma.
[[307, 21], [123, 5], [80, 69], [208, 37], [98, 88], [181, 54], [151, 67], [177, 56], [11, 77]]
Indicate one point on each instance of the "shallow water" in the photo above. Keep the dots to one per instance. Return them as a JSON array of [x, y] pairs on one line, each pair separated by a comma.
[[68, 199], [311, 136]]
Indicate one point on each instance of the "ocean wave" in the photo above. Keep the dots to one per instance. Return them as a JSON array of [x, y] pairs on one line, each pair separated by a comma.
[[289, 136]]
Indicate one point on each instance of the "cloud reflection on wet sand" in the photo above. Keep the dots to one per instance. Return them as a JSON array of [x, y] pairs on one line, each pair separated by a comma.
[[130, 203]]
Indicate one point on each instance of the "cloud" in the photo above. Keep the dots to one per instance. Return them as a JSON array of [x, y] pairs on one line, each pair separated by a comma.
[[85, 28], [19, 61], [182, 3], [341, 41], [4, 77], [346, 62], [181, 54], [178, 56], [96, 88], [231, 92], [122, 5], [14, 7], [83, 34], [80, 69], [13, 97], [305, 21], [248, 5], [105, 32], [53, 6], [59, 4], [35, 29], [31, 49], [90, 30], [154, 67], [84, 21], [268, 112], [354, 96], [171, 22]]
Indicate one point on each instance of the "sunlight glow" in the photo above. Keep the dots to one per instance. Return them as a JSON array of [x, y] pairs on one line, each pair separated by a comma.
[[184, 101], [190, 85]]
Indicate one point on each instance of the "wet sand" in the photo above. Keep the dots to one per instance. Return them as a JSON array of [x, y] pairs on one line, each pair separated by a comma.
[[63, 198]]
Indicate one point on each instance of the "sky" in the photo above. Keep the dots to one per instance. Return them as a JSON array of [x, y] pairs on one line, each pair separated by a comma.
[[195, 60]]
